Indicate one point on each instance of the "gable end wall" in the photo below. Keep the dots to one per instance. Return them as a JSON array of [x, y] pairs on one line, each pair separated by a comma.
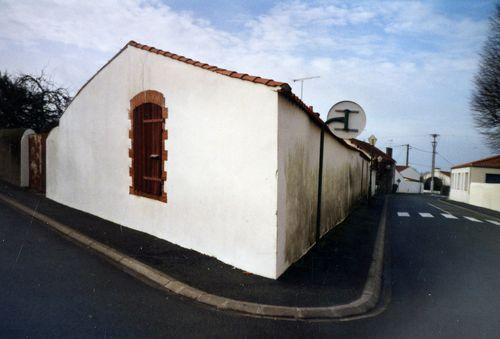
[[222, 158]]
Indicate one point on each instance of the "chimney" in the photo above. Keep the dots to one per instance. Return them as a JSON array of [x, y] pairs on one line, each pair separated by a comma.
[[388, 151]]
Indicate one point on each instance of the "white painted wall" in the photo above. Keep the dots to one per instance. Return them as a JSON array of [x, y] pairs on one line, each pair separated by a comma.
[[25, 158], [408, 186], [485, 195], [468, 185], [478, 174], [298, 160], [459, 187], [222, 158], [373, 182]]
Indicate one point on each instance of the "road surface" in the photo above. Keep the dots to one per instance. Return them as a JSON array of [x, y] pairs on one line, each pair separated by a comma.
[[445, 283]]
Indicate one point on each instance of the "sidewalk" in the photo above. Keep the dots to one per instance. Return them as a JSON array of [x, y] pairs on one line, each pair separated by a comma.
[[334, 272]]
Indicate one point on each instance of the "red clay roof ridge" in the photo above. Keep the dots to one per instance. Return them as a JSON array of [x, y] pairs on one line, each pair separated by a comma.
[[489, 162], [229, 73]]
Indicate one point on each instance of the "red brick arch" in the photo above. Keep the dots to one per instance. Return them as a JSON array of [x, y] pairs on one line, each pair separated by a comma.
[[157, 98]]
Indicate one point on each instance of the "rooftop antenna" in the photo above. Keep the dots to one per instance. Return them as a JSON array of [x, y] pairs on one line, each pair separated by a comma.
[[302, 83]]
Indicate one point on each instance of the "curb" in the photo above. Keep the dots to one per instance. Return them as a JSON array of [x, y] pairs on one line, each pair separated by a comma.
[[449, 203], [367, 301]]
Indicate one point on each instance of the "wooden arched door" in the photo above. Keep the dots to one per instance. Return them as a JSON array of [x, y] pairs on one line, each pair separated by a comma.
[[147, 146]]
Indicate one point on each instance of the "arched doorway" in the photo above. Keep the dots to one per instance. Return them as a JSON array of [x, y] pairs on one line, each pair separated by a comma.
[[148, 134], [438, 184]]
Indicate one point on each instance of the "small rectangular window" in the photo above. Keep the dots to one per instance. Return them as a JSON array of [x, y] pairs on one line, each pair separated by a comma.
[[492, 178]]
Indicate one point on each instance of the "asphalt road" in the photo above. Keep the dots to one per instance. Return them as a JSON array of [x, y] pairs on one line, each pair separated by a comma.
[[445, 277]]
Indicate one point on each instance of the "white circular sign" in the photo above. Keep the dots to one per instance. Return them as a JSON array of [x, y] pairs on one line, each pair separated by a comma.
[[346, 119]]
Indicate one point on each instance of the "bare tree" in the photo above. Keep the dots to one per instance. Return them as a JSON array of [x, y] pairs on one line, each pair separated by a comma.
[[31, 102], [486, 96]]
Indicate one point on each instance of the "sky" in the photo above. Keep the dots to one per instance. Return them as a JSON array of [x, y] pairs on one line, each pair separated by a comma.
[[409, 64]]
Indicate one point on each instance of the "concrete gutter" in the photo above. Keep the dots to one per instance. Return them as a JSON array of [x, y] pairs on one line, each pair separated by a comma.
[[367, 301]]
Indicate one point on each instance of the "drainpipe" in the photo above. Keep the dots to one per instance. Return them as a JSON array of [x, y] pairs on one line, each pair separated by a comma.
[[320, 185]]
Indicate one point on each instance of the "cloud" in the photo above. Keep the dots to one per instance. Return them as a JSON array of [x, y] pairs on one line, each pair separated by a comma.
[[408, 64]]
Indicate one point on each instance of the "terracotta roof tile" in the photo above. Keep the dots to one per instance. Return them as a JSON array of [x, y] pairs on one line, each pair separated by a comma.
[[490, 162], [237, 75], [260, 80], [233, 74], [368, 148], [249, 77], [273, 83], [223, 71]]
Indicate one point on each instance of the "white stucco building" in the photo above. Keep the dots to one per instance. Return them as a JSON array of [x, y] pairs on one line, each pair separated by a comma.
[[408, 180], [477, 183], [442, 181], [213, 160]]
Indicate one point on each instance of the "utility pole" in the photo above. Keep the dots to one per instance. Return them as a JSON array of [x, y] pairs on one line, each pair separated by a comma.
[[434, 144], [407, 154], [302, 83]]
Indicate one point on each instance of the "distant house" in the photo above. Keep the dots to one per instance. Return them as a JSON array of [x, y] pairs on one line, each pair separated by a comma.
[[408, 180], [221, 162], [477, 183], [383, 165], [441, 181]]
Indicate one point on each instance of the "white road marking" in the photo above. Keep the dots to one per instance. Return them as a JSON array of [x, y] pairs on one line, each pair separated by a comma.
[[448, 216], [494, 222], [472, 219], [403, 214], [426, 215], [439, 208]]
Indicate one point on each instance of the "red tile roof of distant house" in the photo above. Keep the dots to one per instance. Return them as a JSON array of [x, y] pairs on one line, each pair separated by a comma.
[[401, 168], [368, 149], [490, 162]]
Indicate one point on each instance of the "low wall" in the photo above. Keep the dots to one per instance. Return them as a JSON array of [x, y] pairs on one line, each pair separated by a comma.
[[410, 187], [345, 181], [485, 195]]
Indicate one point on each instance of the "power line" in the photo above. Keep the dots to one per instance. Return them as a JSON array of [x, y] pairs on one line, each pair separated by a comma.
[[419, 149], [422, 165], [444, 158]]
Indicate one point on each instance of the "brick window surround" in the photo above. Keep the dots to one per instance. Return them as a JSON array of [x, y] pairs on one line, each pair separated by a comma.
[[157, 98]]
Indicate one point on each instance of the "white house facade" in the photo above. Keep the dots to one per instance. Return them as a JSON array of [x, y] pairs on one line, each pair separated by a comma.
[[442, 181], [408, 180], [477, 183], [216, 161]]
